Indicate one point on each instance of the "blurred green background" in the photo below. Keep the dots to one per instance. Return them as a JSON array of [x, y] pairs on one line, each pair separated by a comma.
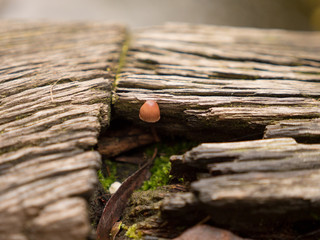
[[286, 14]]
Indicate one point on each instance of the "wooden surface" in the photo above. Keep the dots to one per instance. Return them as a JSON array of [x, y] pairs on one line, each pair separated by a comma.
[[211, 83], [265, 189], [271, 155], [221, 83], [55, 95], [304, 130]]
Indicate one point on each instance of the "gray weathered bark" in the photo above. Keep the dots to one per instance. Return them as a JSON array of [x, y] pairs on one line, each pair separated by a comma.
[[212, 83], [55, 94], [221, 83], [257, 188], [305, 130]]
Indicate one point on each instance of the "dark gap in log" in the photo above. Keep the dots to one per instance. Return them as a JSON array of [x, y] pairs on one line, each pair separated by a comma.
[[226, 131], [283, 226], [148, 61], [307, 139], [97, 202]]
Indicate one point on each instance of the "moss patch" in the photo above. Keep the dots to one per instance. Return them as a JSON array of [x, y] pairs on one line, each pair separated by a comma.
[[160, 172], [111, 178], [133, 232]]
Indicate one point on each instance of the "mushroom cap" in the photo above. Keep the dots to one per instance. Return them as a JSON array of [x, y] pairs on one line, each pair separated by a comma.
[[114, 187], [150, 112]]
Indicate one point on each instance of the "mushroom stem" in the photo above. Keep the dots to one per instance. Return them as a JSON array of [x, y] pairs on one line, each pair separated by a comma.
[[155, 134]]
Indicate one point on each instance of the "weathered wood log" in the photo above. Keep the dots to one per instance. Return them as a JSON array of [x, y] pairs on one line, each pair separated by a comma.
[[127, 138], [281, 154], [304, 130], [211, 83], [259, 186], [220, 83], [55, 95]]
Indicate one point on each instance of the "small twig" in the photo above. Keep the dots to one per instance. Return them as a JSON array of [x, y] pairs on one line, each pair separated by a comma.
[[154, 154], [206, 219], [155, 135], [108, 171]]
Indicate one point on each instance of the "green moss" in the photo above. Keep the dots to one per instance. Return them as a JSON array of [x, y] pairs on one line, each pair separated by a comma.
[[120, 65], [114, 98], [122, 59], [133, 232], [107, 181], [181, 180], [160, 171]]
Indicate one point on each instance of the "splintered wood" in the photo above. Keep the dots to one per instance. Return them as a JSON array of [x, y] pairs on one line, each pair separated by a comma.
[[226, 84], [211, 83], [263, 189], [55, 94], [219, 83]]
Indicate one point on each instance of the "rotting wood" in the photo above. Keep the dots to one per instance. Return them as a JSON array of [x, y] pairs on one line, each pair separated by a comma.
[[143, 210], [220, 83], [263, 189], [119, 141], [281, 154], [55, 95], [210, 82], [304, 130]]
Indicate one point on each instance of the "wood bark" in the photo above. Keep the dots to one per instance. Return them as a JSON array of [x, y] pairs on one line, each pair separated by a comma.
[[211, 83], [220, 83], [257, 187], [55, 95], [304, 130], [120, 141]]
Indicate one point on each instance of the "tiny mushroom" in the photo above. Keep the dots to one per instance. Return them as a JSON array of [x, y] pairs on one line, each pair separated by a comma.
[[114, 187], [150, 112]]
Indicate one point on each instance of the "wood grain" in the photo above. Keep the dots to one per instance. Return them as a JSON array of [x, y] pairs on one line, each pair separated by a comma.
[[211, 83], [304, 130], [220, 83], [264, 189], [55, 95]]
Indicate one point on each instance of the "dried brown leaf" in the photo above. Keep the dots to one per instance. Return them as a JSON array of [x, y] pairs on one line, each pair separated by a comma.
[[115, 229], [116, 204]]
